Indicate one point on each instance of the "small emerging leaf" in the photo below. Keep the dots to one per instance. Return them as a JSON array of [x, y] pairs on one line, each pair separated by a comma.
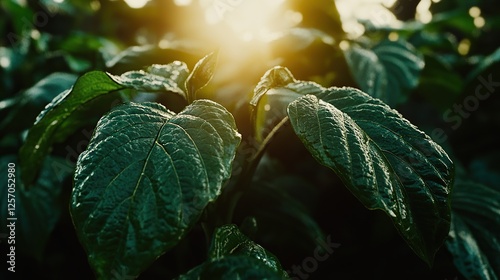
[[233, 255], [228, 240], [200, 76], [269, 105], [239, 267], [273, 78]]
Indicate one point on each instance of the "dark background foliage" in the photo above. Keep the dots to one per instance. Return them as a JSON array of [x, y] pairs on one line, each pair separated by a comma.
[[40, 38]]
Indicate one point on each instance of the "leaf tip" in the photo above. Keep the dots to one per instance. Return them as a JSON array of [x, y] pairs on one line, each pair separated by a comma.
[[201, 75], [277, 76]]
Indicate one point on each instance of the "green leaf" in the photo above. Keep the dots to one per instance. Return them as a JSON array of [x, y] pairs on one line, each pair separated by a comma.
[[146, 177], [37, 210], [434, 43], [484, 65], [388, 71], [18, 14], [232, 267], [57, 121], [176, 71], [475, 224], [233, 255], [228, 240], [200, 76], [77, 64], [368, 71], [47, 125], [269, 105], [148, 82], [78, 42], [274, 77], [385, 161], [456, 19], [23, 108]]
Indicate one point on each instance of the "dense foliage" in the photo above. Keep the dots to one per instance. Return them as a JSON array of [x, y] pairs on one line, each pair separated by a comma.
[[150, 144]]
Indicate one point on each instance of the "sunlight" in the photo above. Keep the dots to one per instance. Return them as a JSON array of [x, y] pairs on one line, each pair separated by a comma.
[[423, 13], [475, 13], [136, 4], [256, 19], [375, 11], [393, 36], [479, 22], [182, 2], [248, 19], [464, 47], [249, 25], [4, 62]]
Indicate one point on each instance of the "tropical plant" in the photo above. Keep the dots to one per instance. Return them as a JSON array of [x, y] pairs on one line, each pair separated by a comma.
[[190, 161]]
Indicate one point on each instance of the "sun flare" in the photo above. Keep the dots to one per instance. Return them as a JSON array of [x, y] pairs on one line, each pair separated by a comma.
[[136, 4], [247, 19], [375, 11]]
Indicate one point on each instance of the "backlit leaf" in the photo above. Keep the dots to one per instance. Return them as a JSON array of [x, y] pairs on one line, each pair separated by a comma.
[[146, 177]]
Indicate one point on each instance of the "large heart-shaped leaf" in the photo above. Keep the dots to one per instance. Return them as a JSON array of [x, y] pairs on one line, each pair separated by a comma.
[[388, 71], [474, 241], [146, 177], [385, 161], [52, 123], [233, 255]]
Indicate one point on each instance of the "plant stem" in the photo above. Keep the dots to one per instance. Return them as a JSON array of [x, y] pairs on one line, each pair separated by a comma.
[[245, 179], [255, 159]]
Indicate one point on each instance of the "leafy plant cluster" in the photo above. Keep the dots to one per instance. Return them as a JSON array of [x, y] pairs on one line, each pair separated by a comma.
[[179, 158]]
